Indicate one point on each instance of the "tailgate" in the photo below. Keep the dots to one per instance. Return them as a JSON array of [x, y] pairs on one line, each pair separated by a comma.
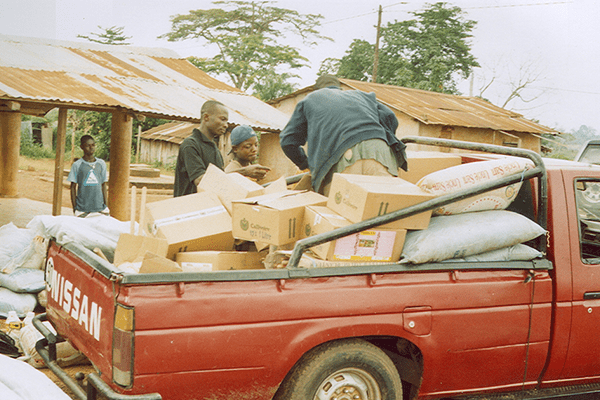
[[81, 303]]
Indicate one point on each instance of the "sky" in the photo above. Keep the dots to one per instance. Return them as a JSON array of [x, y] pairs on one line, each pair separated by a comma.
[[554, 42]]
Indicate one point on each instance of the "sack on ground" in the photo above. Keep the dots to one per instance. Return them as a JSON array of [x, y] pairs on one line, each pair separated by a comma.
[[461, 235], [24, 280], [518, 252], [20, 381], [22, 303], [453, 179]]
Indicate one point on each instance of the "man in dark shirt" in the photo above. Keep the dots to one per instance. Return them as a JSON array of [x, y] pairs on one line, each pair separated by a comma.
[[346, 131], [199, 150]]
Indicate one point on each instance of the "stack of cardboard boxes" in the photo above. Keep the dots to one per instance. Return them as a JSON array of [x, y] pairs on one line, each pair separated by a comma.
[[201, 231]]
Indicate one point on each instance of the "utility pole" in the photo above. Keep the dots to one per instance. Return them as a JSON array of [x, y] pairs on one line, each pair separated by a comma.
[[376, 55]]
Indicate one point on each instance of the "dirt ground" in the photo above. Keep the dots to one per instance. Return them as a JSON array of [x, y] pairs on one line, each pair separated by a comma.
[[36, 182]]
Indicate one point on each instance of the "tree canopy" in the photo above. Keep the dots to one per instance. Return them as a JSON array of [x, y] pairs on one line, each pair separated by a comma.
[[248, 37], [425, 52], [113, 35]]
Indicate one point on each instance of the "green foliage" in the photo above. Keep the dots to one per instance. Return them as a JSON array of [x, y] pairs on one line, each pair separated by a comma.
[[33, 150], [248, 36], [271, 85], [113, 35], [567, 145], [427, 52]]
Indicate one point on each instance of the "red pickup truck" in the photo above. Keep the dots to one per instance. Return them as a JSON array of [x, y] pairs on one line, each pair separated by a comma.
[[386, 331]]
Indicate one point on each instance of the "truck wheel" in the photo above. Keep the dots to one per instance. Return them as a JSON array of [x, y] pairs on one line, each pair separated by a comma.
[[346, 370]]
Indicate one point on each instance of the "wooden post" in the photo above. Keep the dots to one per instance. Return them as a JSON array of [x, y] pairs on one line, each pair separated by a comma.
[[120, 157], [10, 140], [59, 162], [376, 55], [139, 140]]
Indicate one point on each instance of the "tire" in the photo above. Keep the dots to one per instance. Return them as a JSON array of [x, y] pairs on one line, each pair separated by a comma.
[[343, 370]]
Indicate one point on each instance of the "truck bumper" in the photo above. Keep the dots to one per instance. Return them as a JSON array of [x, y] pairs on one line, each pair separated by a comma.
[[46, 348]]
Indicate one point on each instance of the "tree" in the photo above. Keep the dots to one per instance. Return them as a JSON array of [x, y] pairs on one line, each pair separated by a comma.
[[426, 52], [247, 37], [113, 35]]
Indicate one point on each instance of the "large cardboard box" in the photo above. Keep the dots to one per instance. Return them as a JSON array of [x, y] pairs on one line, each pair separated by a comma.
[[152, 264], [361, 197], [371, 245], [422, 163], [274, 218], [228, 187], [203, 261], [133, 248], [191, 223]]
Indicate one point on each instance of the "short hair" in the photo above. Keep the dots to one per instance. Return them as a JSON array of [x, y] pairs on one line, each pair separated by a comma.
[[84, 139], [327, 80], [210, 106]]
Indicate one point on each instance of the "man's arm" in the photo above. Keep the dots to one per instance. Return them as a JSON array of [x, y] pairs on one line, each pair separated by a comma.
[[294, 136], [73, 195], [254, 171], [105, 193], [194, 163]]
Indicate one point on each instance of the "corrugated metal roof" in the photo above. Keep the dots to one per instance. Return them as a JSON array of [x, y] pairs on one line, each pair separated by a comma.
[[149, 81], [445, 109], [173, 132]]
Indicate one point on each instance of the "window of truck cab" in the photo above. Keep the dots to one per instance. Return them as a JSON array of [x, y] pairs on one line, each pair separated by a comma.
[[587, 197]]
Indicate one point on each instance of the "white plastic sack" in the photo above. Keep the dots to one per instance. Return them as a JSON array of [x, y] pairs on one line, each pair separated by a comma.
[[453, 179], [13, 242], [32, 256], [22, 303], [24, 280], [101, 231], [20, 381], [518, 252], [461, 235]]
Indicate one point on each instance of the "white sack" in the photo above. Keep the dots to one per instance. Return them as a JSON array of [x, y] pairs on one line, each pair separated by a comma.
[[24, 280], [33, 256], [20, 381], [13, 242], [453, 179], [22, 303], [461, 235], [518, 252], [101, 231]]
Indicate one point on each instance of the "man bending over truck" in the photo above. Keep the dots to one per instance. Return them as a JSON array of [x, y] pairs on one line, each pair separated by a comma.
[[347, 131]]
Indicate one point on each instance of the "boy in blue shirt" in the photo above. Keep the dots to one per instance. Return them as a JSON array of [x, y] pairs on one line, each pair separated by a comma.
[[88, 179]]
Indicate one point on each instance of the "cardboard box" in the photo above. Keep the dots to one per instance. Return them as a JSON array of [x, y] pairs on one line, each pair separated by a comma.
[[371, 245], [274, 218], [228, 187], [422, 163], [153, 263], [191, 223], [133, 248], [361, 197], [203, 261]]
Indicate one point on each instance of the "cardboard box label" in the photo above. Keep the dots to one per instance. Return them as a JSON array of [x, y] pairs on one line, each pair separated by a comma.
[[366, 246]]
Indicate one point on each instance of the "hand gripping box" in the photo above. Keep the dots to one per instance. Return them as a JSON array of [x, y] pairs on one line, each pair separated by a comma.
[[361, 197], [273, 218], [377, 244], [191, 223]]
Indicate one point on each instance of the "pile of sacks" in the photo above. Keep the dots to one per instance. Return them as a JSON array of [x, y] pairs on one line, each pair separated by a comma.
[[477, 228]]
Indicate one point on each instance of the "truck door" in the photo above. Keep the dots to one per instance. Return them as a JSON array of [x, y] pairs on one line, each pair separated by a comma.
[[583, 207]]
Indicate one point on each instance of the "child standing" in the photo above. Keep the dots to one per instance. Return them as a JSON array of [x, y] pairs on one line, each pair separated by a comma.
[[89, 191], [244, 146]]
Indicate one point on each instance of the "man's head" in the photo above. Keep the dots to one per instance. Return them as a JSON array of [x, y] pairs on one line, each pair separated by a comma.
[[244, 143], [327, 80], [88, 145], [214, 117]]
